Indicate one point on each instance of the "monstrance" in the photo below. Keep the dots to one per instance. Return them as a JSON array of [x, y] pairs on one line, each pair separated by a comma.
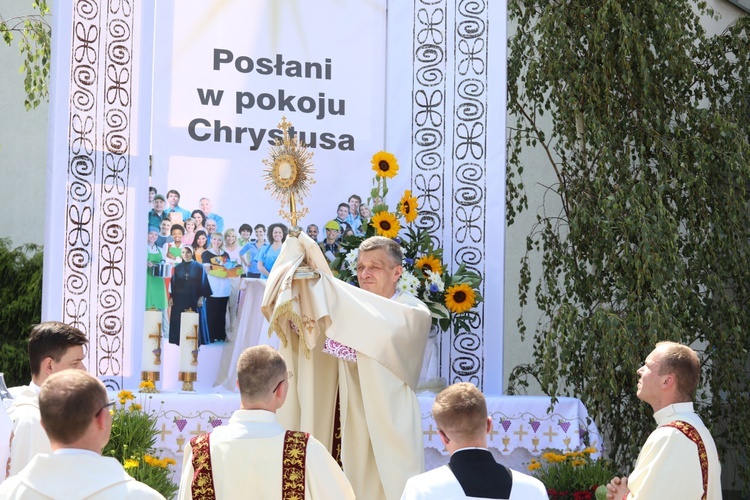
[[288, 175]]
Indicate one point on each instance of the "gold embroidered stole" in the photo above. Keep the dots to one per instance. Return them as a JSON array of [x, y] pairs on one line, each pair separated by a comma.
[[293, 465], [692, 434], [202, 487], [292, 468]]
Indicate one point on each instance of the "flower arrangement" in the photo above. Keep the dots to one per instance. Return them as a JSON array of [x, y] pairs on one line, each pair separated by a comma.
[[451, 297], [573, 475], [132, 442]]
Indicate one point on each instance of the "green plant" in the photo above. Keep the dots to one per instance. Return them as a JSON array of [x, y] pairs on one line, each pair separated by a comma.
[[132, 443], [644, 229], [451, 297], [20, 307], [573, 475], [34, 44]]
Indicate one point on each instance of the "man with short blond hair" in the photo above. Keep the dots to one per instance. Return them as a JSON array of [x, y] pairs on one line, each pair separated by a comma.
[[253, 455], [460, 412], [53, 347], [679, 459], [75, 414]]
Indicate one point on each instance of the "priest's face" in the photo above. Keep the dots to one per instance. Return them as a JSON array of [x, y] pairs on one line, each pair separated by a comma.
[[650, 381], [377, 273]]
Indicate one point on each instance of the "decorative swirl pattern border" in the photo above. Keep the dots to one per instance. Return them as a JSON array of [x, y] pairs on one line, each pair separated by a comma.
[[99, 129], [469, 142], [449, 172]]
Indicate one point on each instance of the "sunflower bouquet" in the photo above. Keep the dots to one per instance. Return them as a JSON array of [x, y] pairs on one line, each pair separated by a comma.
[[451, 297], [132, 442]]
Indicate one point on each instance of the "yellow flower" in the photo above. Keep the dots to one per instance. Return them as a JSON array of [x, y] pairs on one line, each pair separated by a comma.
[[126, 395], [130, 463], [460, 298], [150, 460], [386, 224], [146, 384], [123, 401], [578, 462], [590, 450], [135, 407], [553, 458], [170, 461], [408, 206], [534, 465], [384, 164], [429, 263]]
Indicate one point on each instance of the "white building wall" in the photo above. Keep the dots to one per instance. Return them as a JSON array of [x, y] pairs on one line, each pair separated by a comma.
[[23, 146]]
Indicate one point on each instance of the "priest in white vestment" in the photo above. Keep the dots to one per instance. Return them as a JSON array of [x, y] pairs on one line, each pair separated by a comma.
[[75, 413], [53, 347], [253, 456], [679, 459], [360, 347]]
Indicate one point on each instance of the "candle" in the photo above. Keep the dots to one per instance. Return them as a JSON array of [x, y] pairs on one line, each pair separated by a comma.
[[189, 342], [151, 349]]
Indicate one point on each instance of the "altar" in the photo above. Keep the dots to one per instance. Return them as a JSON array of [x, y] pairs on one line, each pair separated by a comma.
[[522, 425]]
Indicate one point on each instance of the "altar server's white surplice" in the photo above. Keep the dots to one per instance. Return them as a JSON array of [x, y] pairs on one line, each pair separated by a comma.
[[29, 437], [441, 483], [77, 475]]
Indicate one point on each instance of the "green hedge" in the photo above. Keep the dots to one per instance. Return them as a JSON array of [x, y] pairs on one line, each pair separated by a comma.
[[20, 307]]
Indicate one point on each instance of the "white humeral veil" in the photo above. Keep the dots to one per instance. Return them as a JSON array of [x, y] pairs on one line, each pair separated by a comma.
[[380, 417]]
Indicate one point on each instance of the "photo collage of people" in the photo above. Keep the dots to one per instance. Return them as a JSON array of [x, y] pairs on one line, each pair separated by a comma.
[[195, 261]]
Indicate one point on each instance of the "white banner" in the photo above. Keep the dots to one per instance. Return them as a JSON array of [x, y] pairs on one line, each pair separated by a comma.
[[424, 80], [225, 74]]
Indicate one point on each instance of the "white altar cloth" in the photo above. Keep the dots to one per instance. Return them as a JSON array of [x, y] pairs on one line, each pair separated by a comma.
[[522, 426]]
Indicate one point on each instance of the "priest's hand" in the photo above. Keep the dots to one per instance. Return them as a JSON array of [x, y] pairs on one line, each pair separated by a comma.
[[617, 489]]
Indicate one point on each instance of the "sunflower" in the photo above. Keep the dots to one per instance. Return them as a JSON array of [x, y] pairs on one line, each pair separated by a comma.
[[429, 263], [460, 298], [384, 164], [386, 224], [408, 206]]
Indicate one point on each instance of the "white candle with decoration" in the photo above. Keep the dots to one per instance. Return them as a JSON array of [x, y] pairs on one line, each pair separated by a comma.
[[188, 349], [151, 350]]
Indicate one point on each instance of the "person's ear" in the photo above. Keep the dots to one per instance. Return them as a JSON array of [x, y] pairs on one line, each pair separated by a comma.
[[281, 393], [445, 439], [669, 381], [47, 365], [489, 425], [398, 271]]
